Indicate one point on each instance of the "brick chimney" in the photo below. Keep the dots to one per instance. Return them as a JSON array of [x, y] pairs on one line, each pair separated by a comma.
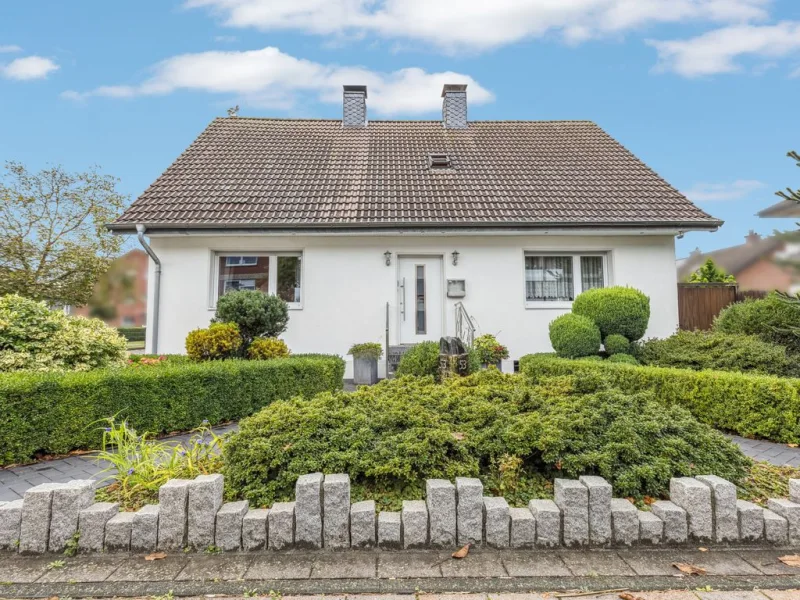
[[354, 106], [752, 237], [454, 106]]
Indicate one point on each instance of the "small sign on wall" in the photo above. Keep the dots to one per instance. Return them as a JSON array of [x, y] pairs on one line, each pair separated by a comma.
[[456, 288]]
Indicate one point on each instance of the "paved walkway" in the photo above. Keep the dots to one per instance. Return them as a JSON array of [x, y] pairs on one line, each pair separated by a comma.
[[404, 572], [776, 454]]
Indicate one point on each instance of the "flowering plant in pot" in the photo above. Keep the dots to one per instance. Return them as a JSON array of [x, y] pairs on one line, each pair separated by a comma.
[[365, 362], [490, 351]]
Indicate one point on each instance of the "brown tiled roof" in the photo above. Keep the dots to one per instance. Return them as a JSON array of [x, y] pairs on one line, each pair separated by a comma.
[[781, 210], [733, 260], [277, 173]]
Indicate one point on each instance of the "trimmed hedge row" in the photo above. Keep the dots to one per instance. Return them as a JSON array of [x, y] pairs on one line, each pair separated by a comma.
[[750, 405], [133, 334], [54, 413]]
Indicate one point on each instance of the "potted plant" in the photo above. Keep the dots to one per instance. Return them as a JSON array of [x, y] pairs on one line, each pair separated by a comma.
[[365, 362], [490, 351]]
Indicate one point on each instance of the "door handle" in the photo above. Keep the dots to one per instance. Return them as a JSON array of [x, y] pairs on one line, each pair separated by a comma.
[[402, 285]]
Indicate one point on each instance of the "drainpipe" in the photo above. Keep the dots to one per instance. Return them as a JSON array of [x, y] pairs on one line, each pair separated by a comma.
[[140, 229]]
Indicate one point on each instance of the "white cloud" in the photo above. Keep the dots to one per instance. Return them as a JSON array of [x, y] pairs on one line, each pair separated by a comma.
[[720, 51], [476, 24], [225, 39], [10, 49], [29, 67], [271, 78], [713, 192]]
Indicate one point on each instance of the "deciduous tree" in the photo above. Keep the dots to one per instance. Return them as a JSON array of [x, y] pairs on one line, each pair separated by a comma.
[[53, 243]]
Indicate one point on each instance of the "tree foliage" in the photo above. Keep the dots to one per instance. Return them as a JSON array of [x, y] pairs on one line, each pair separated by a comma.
[[790, 194], [711, 273], [53, 243]]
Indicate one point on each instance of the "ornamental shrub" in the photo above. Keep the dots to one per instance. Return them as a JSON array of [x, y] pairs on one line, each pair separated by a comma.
[[574, 336], [489, 349], [33, 337], [617, 344], [393, 436], [753, 406], [54, 413], [621, 310], [623, 358], [218, 341], [368, 350], [771, 318], [700, 350], [420, 360], [255, 313], [267, 348]]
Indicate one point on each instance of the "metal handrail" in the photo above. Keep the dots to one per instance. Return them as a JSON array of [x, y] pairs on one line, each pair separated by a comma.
[[465, 328]]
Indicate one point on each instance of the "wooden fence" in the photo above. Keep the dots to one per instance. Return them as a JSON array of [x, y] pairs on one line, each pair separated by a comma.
[[700, 303]]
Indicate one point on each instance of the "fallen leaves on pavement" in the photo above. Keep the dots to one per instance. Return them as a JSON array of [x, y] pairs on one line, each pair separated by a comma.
[[462, 553], [156, 556], [627, 596], [790, 560], [689, 569]]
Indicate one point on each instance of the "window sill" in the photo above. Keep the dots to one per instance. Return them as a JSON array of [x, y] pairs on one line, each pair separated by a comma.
[[292, 306], [560, 305]]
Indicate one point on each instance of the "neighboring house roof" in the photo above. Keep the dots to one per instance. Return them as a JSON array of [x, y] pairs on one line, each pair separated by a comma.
[[295, 174], [781, 210], [735, 259]]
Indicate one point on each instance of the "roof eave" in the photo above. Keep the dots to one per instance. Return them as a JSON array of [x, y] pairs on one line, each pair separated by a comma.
[[681, 226]]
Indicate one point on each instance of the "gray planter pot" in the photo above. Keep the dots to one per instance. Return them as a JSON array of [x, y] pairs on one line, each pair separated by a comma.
[[498, 364], [365, 371]]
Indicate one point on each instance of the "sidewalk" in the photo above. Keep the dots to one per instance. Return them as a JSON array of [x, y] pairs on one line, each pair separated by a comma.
[[399, 572]]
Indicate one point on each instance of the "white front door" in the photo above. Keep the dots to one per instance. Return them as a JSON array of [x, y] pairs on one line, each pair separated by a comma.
[[420, 299]]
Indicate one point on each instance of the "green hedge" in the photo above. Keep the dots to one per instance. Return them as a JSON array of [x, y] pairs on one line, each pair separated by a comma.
[[54, 413], [132, 334], [751, 405]]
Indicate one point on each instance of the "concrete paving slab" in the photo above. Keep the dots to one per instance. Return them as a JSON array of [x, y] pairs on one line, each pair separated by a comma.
[[781, 594], [353, 565], [88, 570], [409, 565], [649, 564], [280, 566], [19, 569], [766, 561], [753, 595], [136, 568], [475, 565], [592, 564], [667, 595], [717, 563], [535, 564], [215, 567]]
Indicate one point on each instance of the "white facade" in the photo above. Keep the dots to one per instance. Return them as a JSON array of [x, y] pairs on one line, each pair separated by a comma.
[[346, 284]]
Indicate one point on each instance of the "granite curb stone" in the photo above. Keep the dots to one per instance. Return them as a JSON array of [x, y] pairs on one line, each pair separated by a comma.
[[624, 522], [523, 528], [469, 493], [254, 529], [676, 528], [440, 497], [308, 511], [205, 500], [68, 501], [600, 532], [363, 525], [228, 532], [144, 529], [572, 497], [497, 522], [548, 523], [336, 511]]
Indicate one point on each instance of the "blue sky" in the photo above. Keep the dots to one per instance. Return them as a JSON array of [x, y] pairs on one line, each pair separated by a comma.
[[704, 91]]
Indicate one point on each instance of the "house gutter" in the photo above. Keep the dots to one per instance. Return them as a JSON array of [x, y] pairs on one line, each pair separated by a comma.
[[140, 229]]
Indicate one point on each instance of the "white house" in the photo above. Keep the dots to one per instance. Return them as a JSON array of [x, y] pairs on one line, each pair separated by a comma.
[[406, 229]]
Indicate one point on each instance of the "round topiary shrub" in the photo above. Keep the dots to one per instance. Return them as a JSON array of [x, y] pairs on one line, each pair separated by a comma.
[[218, 341], [33, 337], [623, 358], [255, 313], [574, 336], [617, 344], [621, 310], [420, 361], [267, 349]]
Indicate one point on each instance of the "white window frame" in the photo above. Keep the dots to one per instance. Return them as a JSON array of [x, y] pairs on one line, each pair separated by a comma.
[[230, 263], [272, 282], [576, 276]]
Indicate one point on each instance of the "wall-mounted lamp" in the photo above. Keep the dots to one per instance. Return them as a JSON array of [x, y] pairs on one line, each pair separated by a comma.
[[680, 235], [388, 256], [455, 256]]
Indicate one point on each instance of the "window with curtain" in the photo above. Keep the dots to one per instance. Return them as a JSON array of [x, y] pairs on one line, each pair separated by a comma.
[[559, 278], [592, 272], [548, 278]]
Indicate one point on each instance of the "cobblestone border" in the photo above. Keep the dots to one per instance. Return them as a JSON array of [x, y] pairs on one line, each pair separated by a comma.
[[191, 514]]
